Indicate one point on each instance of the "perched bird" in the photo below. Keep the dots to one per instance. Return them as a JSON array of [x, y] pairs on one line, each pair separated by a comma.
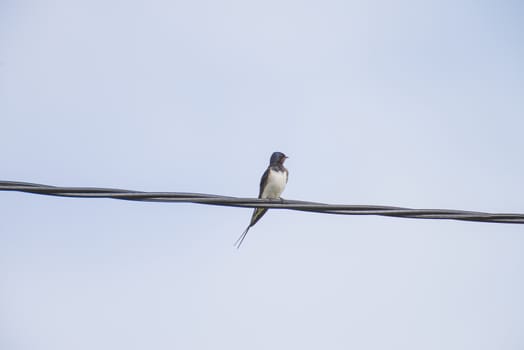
[[272, 185]]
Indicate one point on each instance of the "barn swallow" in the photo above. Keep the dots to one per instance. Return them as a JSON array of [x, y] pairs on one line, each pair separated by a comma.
[[272, 185]]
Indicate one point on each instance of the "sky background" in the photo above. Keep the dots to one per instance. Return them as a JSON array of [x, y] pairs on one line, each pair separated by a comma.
[[416, 104]]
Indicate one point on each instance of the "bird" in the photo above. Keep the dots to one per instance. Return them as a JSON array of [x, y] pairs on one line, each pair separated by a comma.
[[272, 185]]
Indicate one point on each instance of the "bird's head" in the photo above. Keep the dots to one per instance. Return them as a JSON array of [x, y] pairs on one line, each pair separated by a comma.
[[277, 158]]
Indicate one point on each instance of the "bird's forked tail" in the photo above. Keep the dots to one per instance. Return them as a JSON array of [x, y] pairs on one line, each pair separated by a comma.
[[257, 214], [240, 239]]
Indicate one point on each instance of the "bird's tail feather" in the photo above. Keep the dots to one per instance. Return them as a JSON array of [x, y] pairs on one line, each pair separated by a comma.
[[240, 239], [257, 214]]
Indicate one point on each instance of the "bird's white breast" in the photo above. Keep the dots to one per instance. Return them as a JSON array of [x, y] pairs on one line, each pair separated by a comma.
[[276, 182]]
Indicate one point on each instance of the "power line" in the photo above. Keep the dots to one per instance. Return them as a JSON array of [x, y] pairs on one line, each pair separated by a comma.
[[210, 199]]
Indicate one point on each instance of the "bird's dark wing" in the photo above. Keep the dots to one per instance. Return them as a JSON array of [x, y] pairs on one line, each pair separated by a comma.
[[258, 212], [263, 182]]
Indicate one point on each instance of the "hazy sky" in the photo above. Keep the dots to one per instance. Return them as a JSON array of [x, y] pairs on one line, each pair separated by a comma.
[[375, 102]]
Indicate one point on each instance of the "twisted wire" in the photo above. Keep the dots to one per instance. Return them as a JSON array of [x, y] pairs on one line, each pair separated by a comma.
[[211, 199]]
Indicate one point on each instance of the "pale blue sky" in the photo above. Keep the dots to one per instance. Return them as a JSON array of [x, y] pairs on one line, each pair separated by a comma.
[[376, 102]]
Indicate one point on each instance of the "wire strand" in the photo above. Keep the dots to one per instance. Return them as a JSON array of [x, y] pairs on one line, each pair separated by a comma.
[[211, 199]]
